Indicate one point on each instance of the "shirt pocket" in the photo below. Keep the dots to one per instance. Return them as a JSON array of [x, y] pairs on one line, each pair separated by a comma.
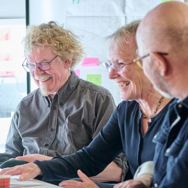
[[159, 159], [174, 149], [30, 145]]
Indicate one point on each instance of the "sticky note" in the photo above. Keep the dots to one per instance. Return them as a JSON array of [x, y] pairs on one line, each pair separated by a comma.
[[165, 1], [76, 1], [90, 61], [77, 72], [94, 78]]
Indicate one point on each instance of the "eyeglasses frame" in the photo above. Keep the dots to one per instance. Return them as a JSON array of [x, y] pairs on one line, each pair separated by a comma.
[[138, 60], [107, 66], [25, 65]]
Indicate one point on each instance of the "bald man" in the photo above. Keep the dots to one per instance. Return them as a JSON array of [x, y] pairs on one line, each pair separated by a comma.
[[162, 40]]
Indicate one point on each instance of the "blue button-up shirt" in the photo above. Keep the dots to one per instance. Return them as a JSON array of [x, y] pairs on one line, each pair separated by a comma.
[[171, 153]]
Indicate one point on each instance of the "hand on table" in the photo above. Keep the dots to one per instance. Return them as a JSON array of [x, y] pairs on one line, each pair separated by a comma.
[[33, 157], [25, 172], [84, 183], [130, 184]]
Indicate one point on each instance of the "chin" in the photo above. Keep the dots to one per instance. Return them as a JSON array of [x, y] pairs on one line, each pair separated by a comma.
[[125, 98], [44, 91]]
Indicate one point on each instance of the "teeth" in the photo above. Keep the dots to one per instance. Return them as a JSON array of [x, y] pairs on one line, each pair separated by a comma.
[[43, 78], [127, 83], [123, 84]]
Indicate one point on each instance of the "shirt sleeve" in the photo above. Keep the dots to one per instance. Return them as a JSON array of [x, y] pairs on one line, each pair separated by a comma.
[[104, 107], [13, 144], [121, 161], [145, 172]]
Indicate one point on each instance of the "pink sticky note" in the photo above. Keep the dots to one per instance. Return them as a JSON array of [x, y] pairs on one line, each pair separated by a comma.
[[77, 72], [90, 61]]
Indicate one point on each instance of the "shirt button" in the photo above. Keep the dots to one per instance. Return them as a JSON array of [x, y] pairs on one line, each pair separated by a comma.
[[180, 106], [46, 145], [155, 137], [155, 185], [167, 151]]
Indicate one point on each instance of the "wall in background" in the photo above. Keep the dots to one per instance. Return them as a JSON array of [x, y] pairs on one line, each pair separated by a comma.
[[12, 76], [92, 21], [12, 9]]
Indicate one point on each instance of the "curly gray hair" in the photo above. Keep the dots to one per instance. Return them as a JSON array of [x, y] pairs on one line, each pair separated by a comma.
[[63, 42]]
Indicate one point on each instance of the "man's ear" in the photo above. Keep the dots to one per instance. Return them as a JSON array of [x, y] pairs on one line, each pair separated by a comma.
[[160, 63], [67, 63]]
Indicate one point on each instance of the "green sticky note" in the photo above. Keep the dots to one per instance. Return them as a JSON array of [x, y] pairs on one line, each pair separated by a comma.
[[165, 1], [94, 78], [76, 1]]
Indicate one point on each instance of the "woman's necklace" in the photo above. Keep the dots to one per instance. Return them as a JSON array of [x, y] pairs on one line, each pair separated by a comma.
[[155, 111]]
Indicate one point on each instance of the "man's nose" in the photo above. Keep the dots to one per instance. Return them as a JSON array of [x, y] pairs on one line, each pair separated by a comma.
[[112, 73], [37, 70]]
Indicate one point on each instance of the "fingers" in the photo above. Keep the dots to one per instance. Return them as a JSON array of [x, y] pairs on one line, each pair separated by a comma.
[[84, 183], [33, 157], [3, 171], [83, 176], [10, 171], [70, 184], [25, 172], [121, 185], [130, 184], [25, 158], [20, 157]]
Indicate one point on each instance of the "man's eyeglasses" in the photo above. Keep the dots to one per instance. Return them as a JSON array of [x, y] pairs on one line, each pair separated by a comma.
[[29, 66], [116, 65], [139, 60]]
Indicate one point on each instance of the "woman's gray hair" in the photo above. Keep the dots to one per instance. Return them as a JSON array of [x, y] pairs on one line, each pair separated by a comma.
[[62, 41], [122, 32]]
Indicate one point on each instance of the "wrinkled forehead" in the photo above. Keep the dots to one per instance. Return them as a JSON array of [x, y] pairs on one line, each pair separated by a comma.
[[123, 45], [39, 53]]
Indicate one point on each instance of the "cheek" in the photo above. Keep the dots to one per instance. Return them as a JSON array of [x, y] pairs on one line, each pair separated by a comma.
[[130, 74], [126, 73], [147, 70]]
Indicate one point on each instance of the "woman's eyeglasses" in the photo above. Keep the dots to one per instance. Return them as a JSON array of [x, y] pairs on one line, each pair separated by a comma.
[[139, 60], [117, 65]]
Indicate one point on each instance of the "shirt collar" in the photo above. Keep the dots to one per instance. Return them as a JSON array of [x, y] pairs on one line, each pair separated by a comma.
[[69, 85], [184, 102]]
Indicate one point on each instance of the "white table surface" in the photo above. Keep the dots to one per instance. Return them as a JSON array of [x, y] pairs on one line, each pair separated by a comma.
[[14, 183]]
